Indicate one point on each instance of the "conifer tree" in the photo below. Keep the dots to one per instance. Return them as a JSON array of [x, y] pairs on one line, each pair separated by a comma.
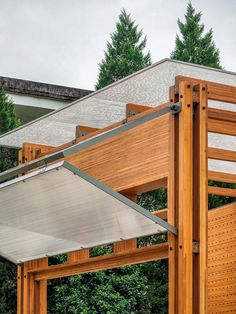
[[125, 53], [194, 46]]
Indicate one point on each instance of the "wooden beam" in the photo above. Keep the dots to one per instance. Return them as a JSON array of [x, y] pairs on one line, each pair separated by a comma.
[[77, 256], [222, 127], [82, 130], [135, 256], [221, 177], [221, 191], [146, 187], [221, 154], [222, 115], [161, 213], [134, 109]]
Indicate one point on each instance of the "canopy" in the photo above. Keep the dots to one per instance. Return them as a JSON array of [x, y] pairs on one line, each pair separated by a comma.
[[58, 209]]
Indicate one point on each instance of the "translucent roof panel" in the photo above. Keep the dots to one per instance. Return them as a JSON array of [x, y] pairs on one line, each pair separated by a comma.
[[58, 209], [106, 106]]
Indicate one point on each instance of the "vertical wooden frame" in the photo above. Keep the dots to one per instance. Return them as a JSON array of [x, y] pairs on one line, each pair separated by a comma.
[[172, 213], [185, 200], [200, 201]]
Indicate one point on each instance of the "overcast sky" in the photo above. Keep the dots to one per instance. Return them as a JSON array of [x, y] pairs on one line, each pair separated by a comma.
[[62, 41]]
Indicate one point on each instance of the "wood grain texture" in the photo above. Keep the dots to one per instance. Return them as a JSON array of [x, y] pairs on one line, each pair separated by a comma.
[[185, 206], [216, 91], [172, 212], [222, 260], [221, 177], [222, 127], [135, 256], [221, 191], [134, 109], [200, 201], [221, 154], [135, 157]]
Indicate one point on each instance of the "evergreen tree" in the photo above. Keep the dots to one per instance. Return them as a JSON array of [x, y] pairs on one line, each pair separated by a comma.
[[124, 54], [8, 158], [195, 47]]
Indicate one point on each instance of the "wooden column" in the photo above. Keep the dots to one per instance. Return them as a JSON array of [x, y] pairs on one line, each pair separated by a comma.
[[200, 202], [185, 201], [31, 295], [188, 268], [172, 215]]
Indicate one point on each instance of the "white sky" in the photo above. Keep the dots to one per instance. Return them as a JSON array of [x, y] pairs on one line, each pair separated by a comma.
[[62, 41]]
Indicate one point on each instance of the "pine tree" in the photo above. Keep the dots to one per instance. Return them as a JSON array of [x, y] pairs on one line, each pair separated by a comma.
[[125, 54], [195, 47]]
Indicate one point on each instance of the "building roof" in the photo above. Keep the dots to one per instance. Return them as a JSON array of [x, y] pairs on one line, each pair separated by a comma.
[[149, 86], [38, 89]]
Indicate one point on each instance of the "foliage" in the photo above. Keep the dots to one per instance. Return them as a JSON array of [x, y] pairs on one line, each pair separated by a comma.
[[133, 289], [111, 291], [7, 287], [125, 54], [195, 47], [8, 121], [216, 200], [8, 158]]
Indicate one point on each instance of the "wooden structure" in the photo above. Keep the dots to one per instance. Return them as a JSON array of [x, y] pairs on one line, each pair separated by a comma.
[[168, 151]]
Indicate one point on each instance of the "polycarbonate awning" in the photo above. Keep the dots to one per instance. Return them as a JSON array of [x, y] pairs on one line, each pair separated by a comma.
[[58, 209]]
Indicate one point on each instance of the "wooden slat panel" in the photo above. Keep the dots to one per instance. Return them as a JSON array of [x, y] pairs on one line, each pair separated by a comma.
[[222, 260], [136, 256], [223, 115], [221, 154], [221, 177], [221, 191], [130, 159], [216, 91], [222, 127]]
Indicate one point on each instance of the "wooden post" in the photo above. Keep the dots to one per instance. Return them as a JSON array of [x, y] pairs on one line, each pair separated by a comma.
[[185, 201], [31, 295], [172, 215], [189, 284], [200, 202]]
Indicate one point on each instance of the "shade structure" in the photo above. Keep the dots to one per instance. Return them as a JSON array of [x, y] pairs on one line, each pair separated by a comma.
[[58, 209]]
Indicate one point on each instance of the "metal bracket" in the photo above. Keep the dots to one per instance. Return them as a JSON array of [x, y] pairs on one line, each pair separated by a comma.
[[175, 108], [195, 247]]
